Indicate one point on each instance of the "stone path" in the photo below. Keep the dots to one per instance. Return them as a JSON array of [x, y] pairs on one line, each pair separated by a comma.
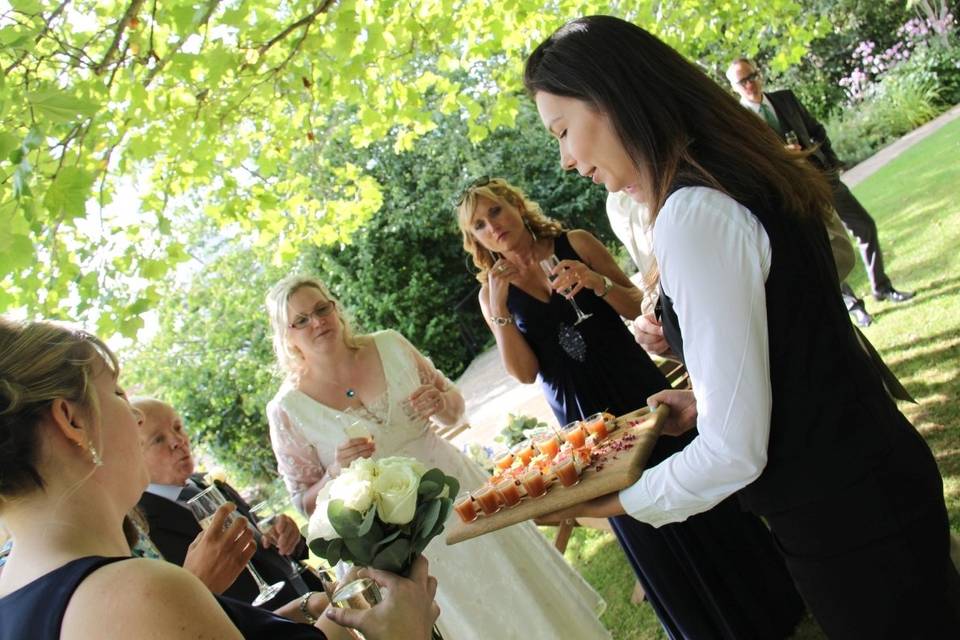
[[491, 394]]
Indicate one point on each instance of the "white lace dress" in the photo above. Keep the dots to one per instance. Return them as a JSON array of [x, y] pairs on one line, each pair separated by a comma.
[[508, 584]]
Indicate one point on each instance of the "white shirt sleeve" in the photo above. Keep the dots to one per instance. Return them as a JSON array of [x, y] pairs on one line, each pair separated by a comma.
[[714, 259]]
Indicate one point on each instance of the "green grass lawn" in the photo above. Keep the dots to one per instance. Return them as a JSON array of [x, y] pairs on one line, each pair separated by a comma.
[[914, 201]]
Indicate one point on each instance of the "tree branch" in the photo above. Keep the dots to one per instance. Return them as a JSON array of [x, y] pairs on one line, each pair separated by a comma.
[[132, 10], [43, 32], [162, 62], [306, 20]]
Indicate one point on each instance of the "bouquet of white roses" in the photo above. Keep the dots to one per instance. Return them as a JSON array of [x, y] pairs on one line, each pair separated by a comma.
[[381, 514]]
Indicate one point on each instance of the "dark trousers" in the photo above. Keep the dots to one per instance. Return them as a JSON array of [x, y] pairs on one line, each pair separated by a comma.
[[872, 560], [856, 219]]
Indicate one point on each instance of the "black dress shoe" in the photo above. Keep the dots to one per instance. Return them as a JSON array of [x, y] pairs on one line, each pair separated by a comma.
[[893, 295], [861, 317]]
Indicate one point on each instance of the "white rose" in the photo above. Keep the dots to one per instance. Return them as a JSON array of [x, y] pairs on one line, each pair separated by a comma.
[[355, 487], [319, 525], [396, 487], [403, 461], [364, 468]]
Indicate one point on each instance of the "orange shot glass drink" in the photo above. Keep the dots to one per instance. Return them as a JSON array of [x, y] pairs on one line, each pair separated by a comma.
[[534, 483], [575, 434], [566, 470], [488, 499], [523, 450], [465, 507], [509, 491], [547, 442], [503, 460], [596, 426]]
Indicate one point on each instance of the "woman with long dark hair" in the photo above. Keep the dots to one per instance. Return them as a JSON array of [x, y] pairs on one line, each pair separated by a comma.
[[792, 415], [717, 575]]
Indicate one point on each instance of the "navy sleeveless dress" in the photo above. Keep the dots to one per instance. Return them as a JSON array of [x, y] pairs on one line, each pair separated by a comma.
[[716, 575], [36, 610]]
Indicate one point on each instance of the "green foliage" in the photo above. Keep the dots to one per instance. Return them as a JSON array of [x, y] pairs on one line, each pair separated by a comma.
[[513, 433], [896, 105], [116, 115]]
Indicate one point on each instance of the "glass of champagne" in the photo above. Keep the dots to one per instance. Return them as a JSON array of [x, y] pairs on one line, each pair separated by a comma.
[[362, 593], [548, 265], [264, 520], [204, 505]]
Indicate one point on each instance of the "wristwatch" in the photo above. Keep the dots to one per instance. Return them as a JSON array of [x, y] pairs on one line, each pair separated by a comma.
[[501, 321], [304, 600], [607, 285]]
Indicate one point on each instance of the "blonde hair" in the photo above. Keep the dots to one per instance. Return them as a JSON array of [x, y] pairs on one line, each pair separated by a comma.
[[501, 192], [289, 359], [41, 362]]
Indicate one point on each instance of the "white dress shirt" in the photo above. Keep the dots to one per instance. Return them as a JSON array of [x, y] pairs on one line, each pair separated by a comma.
[[631, 223], [755, 106], [714, 259], [169, 491]]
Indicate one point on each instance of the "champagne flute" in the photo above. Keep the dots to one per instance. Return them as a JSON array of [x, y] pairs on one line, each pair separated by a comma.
[[264, 520], [204, 505], [548, 265]]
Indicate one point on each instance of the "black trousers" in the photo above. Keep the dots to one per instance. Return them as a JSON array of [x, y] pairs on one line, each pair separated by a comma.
[[856, 219], [872, 560]]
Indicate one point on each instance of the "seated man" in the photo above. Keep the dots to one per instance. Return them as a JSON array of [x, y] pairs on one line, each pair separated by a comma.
[[173, 528]]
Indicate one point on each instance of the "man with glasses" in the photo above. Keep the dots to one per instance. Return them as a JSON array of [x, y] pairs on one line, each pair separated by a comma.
[[800, 130]]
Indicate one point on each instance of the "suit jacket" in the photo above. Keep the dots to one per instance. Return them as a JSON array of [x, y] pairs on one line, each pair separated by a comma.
[[173, 528], [810, 133]]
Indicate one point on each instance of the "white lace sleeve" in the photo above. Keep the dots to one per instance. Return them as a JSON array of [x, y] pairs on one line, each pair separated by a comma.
[[297, 460], [430, 375]]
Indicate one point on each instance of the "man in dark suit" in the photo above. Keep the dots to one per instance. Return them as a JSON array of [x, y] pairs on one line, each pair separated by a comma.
[[173, 527], [799, 130]]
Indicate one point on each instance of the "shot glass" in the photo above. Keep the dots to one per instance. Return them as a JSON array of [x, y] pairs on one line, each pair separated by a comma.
[[597, 426], [465, 507], [488, 499], [503, 460], [509, 491], [547, 442], [566, 469], [534, 483], [524, 451], [575, 434]]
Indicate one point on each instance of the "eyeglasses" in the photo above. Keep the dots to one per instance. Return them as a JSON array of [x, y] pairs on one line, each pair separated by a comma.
[[753, 77], [482, 181], [322, 310]]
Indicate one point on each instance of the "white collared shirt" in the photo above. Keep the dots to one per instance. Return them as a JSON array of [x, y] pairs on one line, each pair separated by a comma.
[[169, 491], [755, 106], [714, 259], [631, 223]]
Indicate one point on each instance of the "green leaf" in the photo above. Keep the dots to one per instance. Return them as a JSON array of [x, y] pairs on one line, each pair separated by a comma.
[[16, 252], [367, 523], [27, 6], [360, 549], [453, 486], [394, 557], [60, 107], [345, 520], [428, 519], [67, 195], [8, 142], [431, 484]]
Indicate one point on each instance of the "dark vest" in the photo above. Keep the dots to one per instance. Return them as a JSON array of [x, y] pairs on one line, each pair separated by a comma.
[[831, 418]]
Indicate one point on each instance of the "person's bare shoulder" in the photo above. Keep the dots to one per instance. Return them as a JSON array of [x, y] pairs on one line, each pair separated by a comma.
[[144, 599]]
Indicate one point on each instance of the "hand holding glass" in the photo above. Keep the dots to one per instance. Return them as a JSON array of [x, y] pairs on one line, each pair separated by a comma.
[[204, 505], [264, 521], [548, 265]]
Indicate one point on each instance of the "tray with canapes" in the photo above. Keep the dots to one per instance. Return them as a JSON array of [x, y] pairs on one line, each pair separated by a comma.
[[557, 469]]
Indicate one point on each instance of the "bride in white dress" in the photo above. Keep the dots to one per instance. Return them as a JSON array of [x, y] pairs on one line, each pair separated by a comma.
[[508, 584]]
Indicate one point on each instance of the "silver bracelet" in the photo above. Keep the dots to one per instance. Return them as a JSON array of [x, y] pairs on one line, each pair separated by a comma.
[[501, 321], [304, 600]]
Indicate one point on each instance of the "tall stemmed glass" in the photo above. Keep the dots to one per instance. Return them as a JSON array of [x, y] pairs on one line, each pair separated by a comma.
[[264, 519], [204, 505], [548, 265]]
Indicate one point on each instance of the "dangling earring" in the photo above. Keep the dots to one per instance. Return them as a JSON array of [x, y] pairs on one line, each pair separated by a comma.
[[533, 235], [95, 455]]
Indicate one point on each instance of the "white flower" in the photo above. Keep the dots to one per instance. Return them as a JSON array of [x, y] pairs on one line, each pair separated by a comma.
[[355, 487], [396, 486], [319, 525], [403, 461]]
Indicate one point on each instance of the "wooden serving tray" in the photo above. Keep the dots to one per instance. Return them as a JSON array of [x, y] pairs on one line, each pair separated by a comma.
[[617, 473]]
